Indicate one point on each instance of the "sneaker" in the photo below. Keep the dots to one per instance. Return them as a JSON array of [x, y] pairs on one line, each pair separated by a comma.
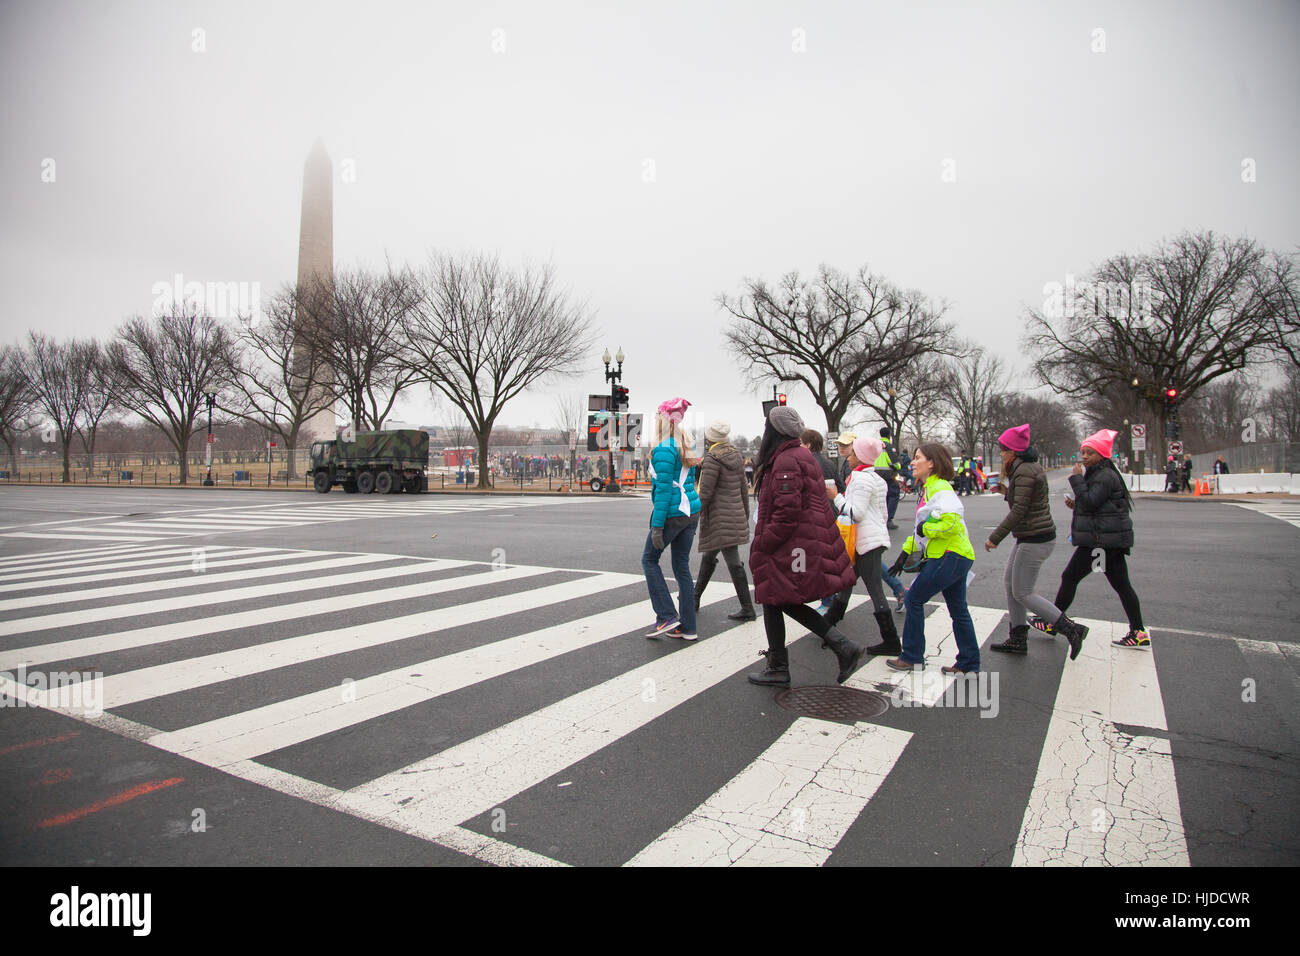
[[1134, 639], [663, 626], [1040, 624], [901, 597], [681, 635]]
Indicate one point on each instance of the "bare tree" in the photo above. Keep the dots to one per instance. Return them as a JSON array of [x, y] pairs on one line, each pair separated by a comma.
[[977, 379], [1196, 309], [1051, 425], [101, 401], [282, 381], [839, 335], [920, 397], [1282, 407], [482, 334], [1213, 417], [60, 377], [165, 366], [355, 325], [16, 399]]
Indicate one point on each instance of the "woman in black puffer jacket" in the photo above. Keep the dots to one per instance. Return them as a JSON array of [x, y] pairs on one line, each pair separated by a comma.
[[1102, 520]]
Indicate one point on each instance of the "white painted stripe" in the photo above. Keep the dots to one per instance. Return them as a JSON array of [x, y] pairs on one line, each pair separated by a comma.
[[432, 795], [244, 735], [162, 564], [180, 630], [44, 622], [190, 580], [80, 555], [791, 806], [112, 532], [72, 537], [929, 685], [1103, 796]]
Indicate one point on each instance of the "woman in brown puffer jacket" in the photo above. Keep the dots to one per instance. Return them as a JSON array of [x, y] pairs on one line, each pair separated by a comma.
[[724, 516], [1030, 523]]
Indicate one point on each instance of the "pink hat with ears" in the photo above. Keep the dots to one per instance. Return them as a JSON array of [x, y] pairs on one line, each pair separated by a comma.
[[867, 449], [1015, 439], [674, 409], [1100, 442]]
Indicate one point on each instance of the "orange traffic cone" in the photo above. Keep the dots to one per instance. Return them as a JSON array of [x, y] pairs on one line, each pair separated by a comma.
[[1197, 492]]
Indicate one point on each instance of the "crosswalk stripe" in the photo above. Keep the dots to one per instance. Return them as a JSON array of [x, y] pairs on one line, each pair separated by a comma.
[[215, 624], [432, 795], [116, 570], [191, 580], [1105, 793], [69, 537], [82, 556], [54, 556], [45, 622], [262, 730], [791, 806]]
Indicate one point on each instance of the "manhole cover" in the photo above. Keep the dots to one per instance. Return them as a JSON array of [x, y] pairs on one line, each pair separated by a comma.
[[833, 703]]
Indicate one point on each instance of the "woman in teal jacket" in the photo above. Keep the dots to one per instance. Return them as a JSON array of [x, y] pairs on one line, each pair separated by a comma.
[[673, 520]]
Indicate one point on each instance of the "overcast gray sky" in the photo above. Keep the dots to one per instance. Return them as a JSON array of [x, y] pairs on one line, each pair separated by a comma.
[[655, 153]]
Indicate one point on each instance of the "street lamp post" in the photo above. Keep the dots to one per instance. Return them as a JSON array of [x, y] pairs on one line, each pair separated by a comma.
[[613, 378], [211, 397]]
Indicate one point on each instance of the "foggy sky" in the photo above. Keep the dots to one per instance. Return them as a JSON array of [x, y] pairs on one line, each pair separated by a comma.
[[525, 129]]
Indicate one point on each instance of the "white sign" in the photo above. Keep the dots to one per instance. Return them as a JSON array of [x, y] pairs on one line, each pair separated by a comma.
[[1139, 443], [1175, 448], [1139, 431], [573, 441]]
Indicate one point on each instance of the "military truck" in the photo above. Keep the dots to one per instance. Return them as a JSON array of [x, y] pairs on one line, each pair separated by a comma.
[[385, 462]]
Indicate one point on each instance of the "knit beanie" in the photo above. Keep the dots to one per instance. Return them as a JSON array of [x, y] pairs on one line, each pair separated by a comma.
[[1015, 439], [1100, 442], [674, 409], [786, 421], [717, 431], [867, 449]]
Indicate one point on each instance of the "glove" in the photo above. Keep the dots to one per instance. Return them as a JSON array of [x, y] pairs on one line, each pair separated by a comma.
[[897, 566], [657, 538], [920, 529]]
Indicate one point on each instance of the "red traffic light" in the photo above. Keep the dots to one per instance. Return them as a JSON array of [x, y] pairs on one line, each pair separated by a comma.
[[780, 399], [1171, 393]]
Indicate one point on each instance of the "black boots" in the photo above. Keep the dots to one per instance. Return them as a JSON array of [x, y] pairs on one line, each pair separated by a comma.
[[889, 642], [741, 581], [702, 580], [1073, 632], [1016, 643], [777, 670], [849, 654]]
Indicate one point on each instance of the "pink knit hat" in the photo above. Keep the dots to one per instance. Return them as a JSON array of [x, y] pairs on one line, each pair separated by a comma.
[[867, 449], [1100, 442], [674, 409], [1015, 439]]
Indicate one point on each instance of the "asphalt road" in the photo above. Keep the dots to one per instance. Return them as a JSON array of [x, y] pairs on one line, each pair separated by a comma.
[[322, 680]]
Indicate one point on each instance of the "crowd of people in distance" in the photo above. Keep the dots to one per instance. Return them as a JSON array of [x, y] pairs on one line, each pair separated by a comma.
[[816, 527]]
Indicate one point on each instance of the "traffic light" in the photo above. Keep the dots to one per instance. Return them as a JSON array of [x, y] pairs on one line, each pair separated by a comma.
[[620, 396], [780, 399], [1171, 399]]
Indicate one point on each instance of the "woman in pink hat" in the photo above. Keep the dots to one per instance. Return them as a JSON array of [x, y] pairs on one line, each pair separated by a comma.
[[1102, 521], [1033, 536]]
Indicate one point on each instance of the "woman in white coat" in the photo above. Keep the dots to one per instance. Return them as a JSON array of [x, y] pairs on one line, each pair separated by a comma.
[[863, 503]]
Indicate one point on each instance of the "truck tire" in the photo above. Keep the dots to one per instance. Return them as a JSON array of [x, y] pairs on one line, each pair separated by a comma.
[[350, 487], [411, 485], [597, 483], [384, 483], [322, 482], [365, 482]]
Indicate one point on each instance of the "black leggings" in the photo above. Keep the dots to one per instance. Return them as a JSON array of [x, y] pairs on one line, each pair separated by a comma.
[[867, 567], [1116, 570], [774, 622]]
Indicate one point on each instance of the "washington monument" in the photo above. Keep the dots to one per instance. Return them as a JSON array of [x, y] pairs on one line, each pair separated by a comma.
[[316, 259]]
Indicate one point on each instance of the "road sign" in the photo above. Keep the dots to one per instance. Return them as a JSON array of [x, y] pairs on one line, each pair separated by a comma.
[[211, 438], [1175, 448], [573, 441], [1139, 443], [1139, 431]]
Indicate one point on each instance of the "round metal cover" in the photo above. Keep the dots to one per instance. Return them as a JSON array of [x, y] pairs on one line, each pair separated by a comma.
[[833, 703]]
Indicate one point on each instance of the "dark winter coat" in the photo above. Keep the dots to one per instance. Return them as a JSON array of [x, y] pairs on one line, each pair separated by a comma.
[[1102, 509], [798, 555], [724, 499], [1029, 499]]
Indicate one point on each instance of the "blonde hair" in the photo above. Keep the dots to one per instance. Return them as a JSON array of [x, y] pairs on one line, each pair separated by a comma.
[[664, 428]]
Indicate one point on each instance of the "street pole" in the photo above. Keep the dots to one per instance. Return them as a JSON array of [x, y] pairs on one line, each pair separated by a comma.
[[613, 378], [211, 397]]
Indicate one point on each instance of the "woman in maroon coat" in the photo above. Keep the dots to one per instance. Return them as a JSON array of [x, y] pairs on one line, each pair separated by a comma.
[[797, 554]]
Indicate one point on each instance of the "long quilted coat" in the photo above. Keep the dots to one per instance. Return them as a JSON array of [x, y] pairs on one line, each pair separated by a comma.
[[798, 555], [724, 499]]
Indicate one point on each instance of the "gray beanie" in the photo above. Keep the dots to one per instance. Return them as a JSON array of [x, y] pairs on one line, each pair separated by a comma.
[[717, 431], [786, 421]]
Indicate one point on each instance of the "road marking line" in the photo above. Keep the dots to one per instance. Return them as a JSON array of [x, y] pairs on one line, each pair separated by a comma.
[[247, 734], [1104, 796], [116, 800], [181, 562]]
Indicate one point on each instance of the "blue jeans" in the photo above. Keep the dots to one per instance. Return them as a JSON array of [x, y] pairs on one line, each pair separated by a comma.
[[680, 541], [893, 583], [946, 574]]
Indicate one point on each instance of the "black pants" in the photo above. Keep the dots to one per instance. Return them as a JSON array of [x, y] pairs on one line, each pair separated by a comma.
[[891, 498], [709, 560], [774, 622], [1116, 570], [867, 567]]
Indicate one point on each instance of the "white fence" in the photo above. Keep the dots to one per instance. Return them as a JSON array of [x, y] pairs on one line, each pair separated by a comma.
[[1227, 484]]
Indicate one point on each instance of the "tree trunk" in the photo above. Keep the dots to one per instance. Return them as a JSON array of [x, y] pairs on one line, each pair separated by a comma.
[[67, 458], [483, 458]]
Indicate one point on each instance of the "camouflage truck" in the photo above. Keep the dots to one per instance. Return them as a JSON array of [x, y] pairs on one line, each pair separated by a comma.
[[383, 462]]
